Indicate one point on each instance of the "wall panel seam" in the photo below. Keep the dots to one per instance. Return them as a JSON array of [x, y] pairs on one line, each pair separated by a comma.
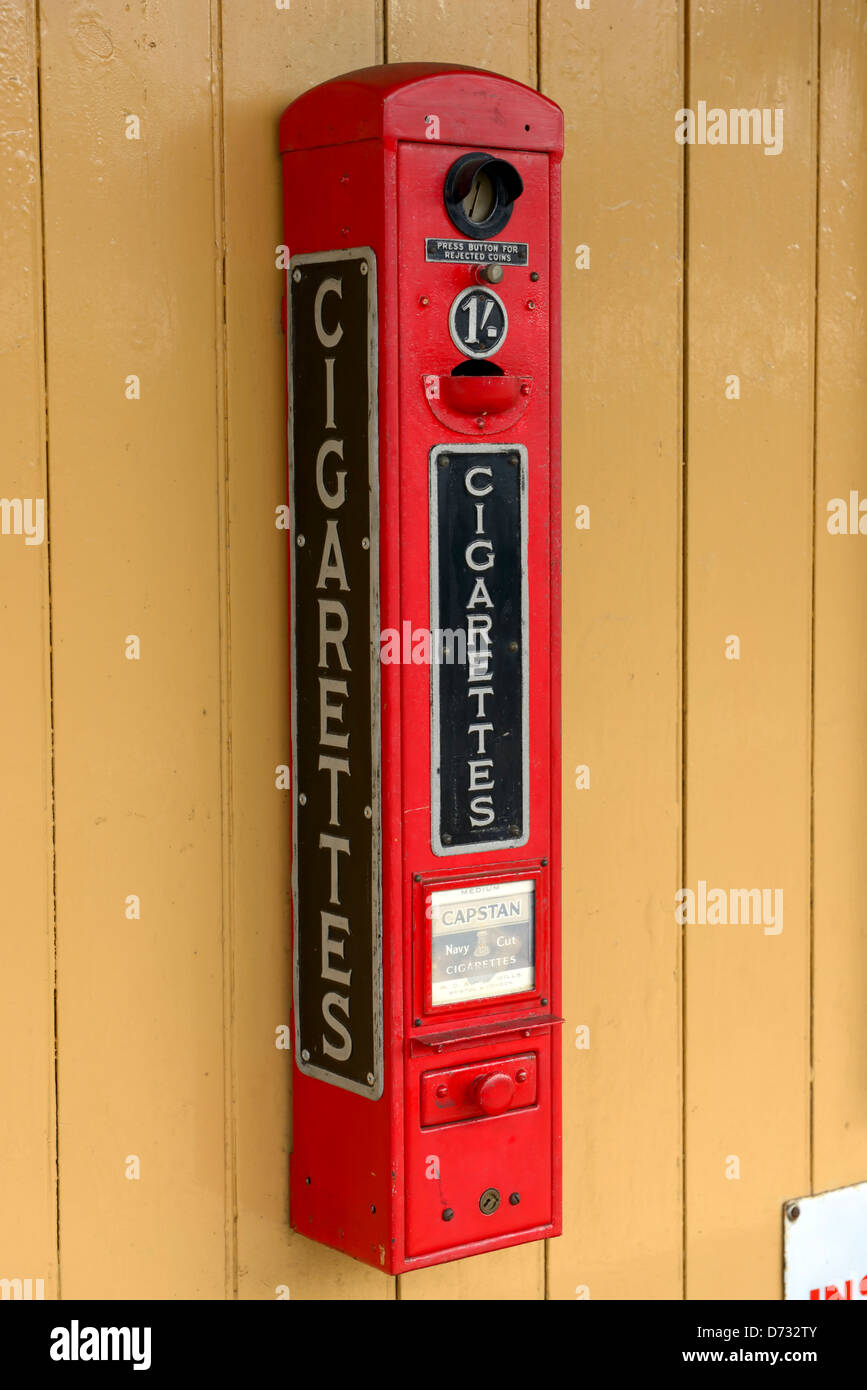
[[684, 551], [817, 127], [230, 1128], [37, 36]]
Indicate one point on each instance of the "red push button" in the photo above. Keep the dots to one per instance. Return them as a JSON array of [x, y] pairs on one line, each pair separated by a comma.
[[494, 1093]]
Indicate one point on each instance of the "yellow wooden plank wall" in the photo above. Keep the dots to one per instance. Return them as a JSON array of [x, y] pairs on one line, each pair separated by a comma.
[[750, 297], [28, 1170], [617, 72], [137, 546], [840, 1018], [143, 840]]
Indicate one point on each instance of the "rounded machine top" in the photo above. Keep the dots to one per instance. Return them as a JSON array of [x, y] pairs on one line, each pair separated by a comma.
[[441, 102]]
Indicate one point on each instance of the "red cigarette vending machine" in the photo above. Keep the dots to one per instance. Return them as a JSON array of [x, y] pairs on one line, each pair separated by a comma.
[[423, 324]]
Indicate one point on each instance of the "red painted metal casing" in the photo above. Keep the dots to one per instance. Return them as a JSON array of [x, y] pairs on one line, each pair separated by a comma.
[[364, 161]]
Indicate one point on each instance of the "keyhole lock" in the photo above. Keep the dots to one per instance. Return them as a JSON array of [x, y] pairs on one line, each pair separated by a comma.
[[489, 1201]]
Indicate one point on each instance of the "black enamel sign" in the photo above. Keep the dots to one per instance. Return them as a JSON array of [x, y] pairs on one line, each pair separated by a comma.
[[475, 252], [479, 739], [478, 322], [335, 642]]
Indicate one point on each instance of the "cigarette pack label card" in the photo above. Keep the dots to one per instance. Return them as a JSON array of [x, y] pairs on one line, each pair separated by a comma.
[[476, 252], [482, 941]]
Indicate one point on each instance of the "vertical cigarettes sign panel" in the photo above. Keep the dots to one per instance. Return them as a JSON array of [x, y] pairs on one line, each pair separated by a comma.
[[478, 549], [335, 631]]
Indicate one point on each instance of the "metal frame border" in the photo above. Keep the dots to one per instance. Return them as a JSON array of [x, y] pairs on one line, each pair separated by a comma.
[[479, 846]]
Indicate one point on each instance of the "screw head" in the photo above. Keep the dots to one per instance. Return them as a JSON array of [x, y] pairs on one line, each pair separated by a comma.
[[300, 540], [424, 301], [793, 1213], [444, 460], [520, 1076], [447, 839], [305, 1057], [368, 813], [442, 1091], [370, 1078], [365, 543], [302, 799], [531, 303], [534, 275], [363, 267], [296, 276], [448, 1214], [514, 1199], [514, 458], [417, 1022]]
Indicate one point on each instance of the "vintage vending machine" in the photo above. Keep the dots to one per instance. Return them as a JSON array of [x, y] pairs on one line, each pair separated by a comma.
[[421, 208]]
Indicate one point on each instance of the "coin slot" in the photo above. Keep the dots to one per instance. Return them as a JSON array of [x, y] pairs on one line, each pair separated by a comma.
[[481, 199], [480, 193], [469, 367]]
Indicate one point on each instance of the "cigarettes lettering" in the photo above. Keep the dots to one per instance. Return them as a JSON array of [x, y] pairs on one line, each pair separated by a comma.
[[480, 556]]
